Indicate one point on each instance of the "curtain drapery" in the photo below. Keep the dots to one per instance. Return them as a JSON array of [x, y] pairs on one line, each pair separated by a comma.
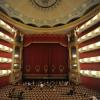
[[45, 60]]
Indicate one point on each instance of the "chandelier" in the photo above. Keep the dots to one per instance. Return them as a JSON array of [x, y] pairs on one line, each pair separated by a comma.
[[45, 3]]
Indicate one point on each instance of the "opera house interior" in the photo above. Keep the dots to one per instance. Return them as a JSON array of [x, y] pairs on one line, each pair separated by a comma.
[[49, 49]]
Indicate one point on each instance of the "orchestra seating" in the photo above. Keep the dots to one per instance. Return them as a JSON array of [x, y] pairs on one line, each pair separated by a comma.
[[56, 91]]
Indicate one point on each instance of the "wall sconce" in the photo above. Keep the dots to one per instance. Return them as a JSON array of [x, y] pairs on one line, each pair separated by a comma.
[[86, 72], [6, 26], [4, 72], [15, 65], [16, 55], [90, 60], [74, 65], [2, 22], [89, 23], [74, 55], [90, 47], [6, 37]]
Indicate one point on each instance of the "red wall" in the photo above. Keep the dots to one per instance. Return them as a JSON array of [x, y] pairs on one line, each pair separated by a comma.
[[89, 81], [92, 83], [4, 81]]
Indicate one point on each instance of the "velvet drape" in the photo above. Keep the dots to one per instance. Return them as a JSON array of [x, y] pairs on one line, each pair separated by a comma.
[[45, 60]]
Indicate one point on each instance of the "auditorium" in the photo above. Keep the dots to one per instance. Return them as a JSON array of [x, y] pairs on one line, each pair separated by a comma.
[[49, 49]]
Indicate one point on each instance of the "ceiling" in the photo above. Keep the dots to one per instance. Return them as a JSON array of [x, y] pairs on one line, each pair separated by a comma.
[[47, 13]]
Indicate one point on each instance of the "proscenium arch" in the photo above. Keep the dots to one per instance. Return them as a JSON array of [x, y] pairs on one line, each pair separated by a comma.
[[59, 29]]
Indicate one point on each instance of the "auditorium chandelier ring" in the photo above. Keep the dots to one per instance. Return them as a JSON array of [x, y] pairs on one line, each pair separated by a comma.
[[47, 13], [45, 3]]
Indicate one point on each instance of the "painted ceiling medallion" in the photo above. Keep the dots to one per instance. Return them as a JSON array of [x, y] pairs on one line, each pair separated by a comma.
[[45, 3]]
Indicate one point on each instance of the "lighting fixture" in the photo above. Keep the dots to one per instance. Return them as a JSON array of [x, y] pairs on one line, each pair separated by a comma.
[[74, 55], [86, 72], [2, 22], [16, 55], [95, 17], [93, 72], [9, 71], [97, 44], [4, 72], [75, 65], [15, 65], [81, 71], [89, 23]]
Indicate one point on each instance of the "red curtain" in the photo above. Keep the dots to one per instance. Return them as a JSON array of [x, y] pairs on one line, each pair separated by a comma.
[[46, 38], [45, 60]]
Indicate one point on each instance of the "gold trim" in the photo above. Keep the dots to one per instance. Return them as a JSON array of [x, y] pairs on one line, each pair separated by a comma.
[[27, 68], [37, 68], [57, 30], [61, 68], [62, 44], [46, 68], [53, 68]]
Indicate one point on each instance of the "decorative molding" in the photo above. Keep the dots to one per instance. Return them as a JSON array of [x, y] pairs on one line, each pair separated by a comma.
[[76, 13], [37, 68], [44, 3], [54, 30], [53, 68], [27, 68], [46, 68], [61, 68]]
